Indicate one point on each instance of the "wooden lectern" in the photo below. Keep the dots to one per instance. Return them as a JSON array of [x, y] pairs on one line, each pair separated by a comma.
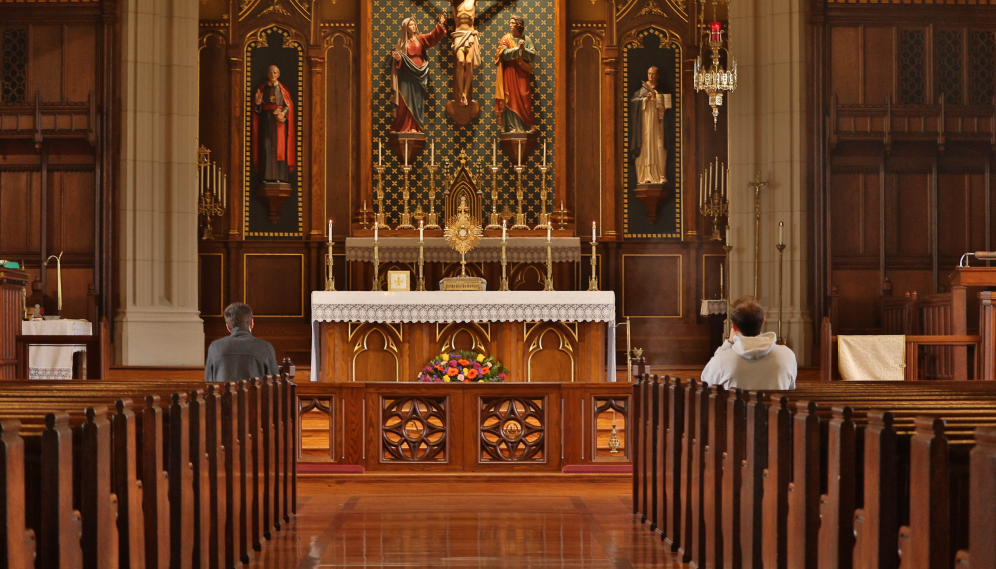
[[961, 279], [12, 283]]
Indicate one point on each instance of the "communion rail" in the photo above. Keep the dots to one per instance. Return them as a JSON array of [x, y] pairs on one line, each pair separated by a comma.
[[463, 427]]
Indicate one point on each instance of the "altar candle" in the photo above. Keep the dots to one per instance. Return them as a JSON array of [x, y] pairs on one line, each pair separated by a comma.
[[781, 229], [726, 181], [544, 154], [494, 153], [432, 155], [727, 235], [547, 233], [715, 27], [504, 230], [330, 231], [406, 152], [380, 152], [58, 268], [710, 179], [701, 191], [224, 190], [520, 153], [421, 231], [375, 232], [217, 182], [592, 231], [721, 281]]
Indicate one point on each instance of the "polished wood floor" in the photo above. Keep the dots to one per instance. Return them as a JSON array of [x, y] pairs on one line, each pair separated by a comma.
[[423, 523]]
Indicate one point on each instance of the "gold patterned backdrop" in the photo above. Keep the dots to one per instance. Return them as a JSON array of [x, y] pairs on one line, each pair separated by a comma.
[[477, 137]]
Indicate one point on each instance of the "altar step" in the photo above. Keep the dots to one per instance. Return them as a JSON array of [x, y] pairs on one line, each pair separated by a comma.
[[617, 474]]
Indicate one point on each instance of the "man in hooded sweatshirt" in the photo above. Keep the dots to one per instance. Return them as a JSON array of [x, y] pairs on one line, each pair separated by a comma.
[[750, 359]]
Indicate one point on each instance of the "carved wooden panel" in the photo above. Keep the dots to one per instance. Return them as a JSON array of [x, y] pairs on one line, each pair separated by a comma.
[[551, 351], [467, 336], [513, 429], [340, 129], [317, 419], [586, 130], [609, 418], [376, 352], [274, 284], [413, 429]]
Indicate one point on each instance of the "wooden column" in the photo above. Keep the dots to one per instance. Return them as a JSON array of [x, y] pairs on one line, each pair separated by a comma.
[[316, 175], [987, 329], [610, 177], [236, 167]]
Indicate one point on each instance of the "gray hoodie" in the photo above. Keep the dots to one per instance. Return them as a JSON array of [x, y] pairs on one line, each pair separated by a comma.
[[752, 362]]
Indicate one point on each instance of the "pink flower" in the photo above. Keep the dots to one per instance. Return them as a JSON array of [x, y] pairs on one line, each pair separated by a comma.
[[501, 376], [460, 377]]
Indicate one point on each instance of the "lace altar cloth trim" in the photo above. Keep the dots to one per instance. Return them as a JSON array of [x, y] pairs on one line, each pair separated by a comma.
[[50, 373], [712, 307], [485, 306], [517, 250]]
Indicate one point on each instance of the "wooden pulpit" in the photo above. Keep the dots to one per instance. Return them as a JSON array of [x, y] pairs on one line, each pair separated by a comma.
[[961, 279]]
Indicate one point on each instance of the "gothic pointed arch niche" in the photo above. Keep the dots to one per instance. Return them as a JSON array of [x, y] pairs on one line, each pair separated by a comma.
[[465, 184], [551, 349]]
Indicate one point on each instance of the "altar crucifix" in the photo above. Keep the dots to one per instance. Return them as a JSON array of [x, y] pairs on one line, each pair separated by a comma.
[[467, 48]]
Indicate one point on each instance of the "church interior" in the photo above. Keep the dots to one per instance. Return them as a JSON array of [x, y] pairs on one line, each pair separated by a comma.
[[697, 283]]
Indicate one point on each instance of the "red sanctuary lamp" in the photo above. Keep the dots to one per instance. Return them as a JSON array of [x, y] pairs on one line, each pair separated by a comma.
[[715, 28]]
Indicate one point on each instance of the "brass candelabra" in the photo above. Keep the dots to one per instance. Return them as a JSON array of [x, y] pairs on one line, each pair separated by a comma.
[[520, 217], [562, 212], [757, 184], [432, 218], [614, 436], [494, 219], [549, 265], [713, 201], [209, 206], [379, 218], [544, 217]]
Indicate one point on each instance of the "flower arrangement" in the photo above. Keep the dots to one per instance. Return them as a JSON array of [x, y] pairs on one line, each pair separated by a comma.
[[463, 367]]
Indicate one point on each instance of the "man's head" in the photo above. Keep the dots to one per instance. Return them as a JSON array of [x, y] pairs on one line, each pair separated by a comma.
[[516, 24], [747, 316], [652, 75], [238, 315], [273, 73]]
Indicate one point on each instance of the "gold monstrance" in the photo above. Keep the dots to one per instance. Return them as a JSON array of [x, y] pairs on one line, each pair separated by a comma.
[[462, 233]]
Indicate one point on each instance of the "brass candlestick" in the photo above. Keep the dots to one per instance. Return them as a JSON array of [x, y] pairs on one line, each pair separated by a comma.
[[726, 261], [376, 264], [364, 215], [380, 219], [544, 217], [520, 218], [503, 284], [562, 212], [549, 266], [592, 280], [432, 218], [420, 285], [494, 221], [614, 436], [781, 249], [329, 277], [406, 216]]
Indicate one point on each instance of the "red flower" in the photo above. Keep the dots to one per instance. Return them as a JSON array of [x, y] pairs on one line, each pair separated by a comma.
[[471, 374], [463, 362], [452, 371]]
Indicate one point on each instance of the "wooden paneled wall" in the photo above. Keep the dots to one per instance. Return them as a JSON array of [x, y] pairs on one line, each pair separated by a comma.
[[56, 174], [905, 114]]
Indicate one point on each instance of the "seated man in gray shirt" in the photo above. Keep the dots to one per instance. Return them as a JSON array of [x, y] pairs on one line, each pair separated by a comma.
[[239, 356]]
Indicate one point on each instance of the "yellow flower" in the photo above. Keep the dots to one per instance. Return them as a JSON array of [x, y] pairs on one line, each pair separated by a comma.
[[446, 357], [446, 379], [480, 357], [465, 371]]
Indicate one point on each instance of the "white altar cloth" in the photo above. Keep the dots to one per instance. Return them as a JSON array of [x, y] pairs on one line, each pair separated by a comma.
[[463, 306], [54, 362], [436, 250]]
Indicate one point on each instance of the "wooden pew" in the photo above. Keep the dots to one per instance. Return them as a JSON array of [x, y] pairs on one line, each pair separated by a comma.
[[217, 427], [17, 542]]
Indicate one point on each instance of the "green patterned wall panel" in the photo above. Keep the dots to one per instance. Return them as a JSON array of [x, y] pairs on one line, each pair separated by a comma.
[[477, 137]]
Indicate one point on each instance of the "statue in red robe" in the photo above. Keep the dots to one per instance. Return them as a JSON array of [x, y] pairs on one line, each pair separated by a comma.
[[410, 74], [273, 143], [514, 87]]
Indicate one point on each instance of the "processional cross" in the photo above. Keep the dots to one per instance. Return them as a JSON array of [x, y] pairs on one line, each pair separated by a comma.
[[757, 184]]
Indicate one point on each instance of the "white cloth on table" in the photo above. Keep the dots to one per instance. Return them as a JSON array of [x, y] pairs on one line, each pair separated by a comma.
[[872, 358], [710, 307], [54, 362]]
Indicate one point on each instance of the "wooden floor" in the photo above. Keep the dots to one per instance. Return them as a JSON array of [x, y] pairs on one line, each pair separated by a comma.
[[463, 524]]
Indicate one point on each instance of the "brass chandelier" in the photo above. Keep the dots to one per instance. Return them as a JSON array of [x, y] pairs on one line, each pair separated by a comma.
[[715, 80]]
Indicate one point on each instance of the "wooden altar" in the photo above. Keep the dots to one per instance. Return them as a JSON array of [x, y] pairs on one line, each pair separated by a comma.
[[551, 336]]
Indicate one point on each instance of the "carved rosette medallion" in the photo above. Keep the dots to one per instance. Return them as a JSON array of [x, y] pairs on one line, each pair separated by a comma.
[[513, 429], [413, 429]]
